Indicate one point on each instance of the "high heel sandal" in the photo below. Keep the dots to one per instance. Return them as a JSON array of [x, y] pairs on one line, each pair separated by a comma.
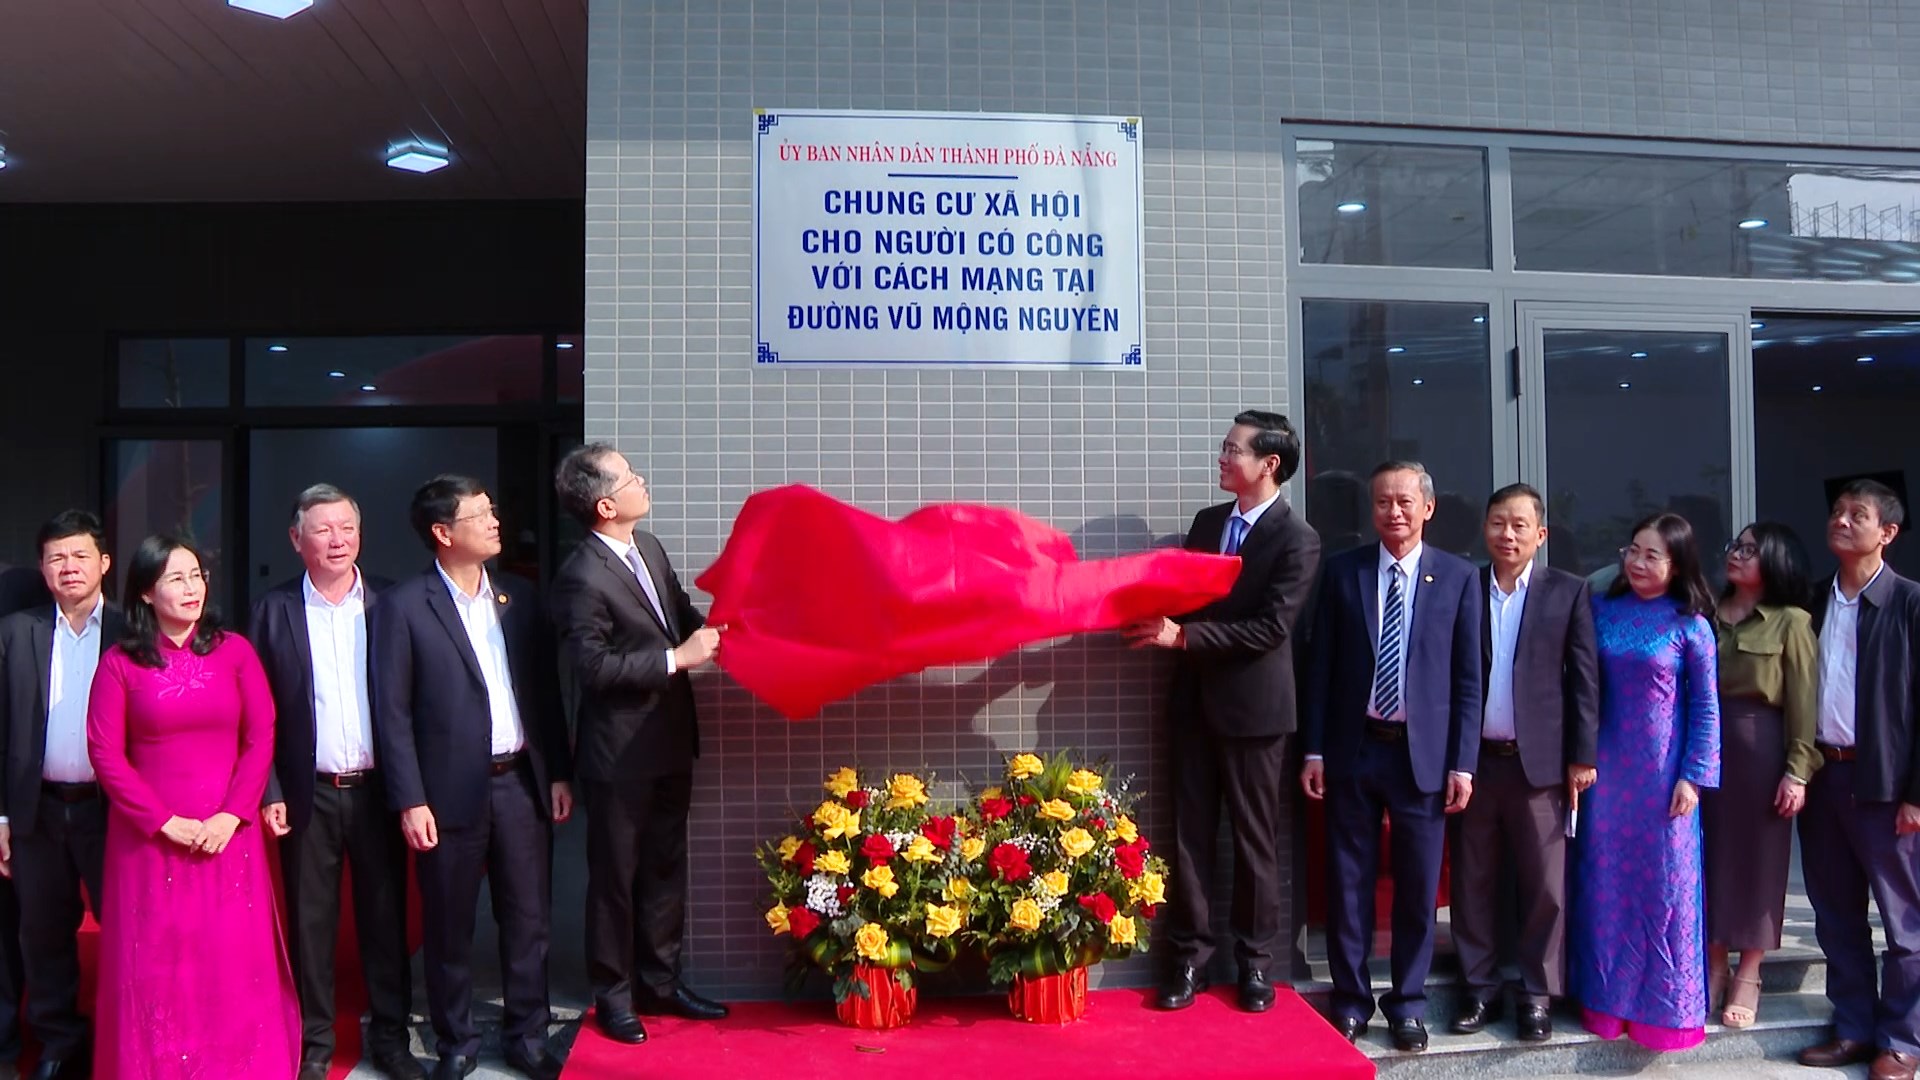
[[1740, 1016]]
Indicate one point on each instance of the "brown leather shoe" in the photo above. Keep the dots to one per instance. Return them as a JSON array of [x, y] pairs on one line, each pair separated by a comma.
[[1893, 1065], [1837, 1054]]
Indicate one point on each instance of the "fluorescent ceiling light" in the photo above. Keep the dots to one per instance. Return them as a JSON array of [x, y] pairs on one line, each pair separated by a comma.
[[1863, 359], [368, 387], [1638, 355], [417, 157], [336, 374], [1351, 207], [1396, 348], [1479, 318], [1755, 325], [1754, 223], [279, 9], [564, 345], [276, 348]]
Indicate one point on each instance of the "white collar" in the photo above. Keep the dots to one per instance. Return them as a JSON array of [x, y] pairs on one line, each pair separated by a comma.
[[93, 617], [358, 592], [620, 547], [1519, 585], [1841, 597], [486, 586], [1409, 564], [1253, 515]]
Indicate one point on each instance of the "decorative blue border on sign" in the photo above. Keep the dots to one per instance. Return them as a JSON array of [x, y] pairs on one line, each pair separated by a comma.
[[767, 119]]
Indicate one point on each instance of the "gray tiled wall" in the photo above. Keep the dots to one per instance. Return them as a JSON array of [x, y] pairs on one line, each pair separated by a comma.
[[1119, 458]]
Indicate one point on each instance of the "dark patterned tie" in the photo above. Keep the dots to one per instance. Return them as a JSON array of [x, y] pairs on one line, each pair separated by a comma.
[[1386, 671]]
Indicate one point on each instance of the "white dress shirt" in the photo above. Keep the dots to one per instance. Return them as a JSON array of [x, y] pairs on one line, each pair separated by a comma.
[[1839, 664], [1503, 611], [1251, 517], [480, 615], [342, 717], [76, 656], [628, 556], [1409, 565]]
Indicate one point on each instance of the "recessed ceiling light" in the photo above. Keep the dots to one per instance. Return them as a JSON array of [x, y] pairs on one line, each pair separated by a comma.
[[1626, 386], [276, 348], [1638, 355], [336, 374], [368, 387], [417, 157], [1755, 325], [1817, 388], [1351, 207], [1863, 359], [1419, 382], [1754, 223], [564, 345], [1396, 348], [279, 9], [1479, 318]]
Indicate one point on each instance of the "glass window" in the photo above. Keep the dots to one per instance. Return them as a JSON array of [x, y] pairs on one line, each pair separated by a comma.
[[1391, 204], [497, 370], [173, 373], [570, 358], [1396, 380], [167, 486], [1714, 217]]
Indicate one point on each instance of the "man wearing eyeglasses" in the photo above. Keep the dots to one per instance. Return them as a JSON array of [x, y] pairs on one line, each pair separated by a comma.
[[1231, 709], [473, 746]]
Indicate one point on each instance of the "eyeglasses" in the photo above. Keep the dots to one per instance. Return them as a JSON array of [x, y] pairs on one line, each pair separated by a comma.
[[1636, 553], [1235, 450], [1743, 551], [632, 479], [191, 577], [483, 514]]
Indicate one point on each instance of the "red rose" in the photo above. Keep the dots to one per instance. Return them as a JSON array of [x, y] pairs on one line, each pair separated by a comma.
[[1131, 858], [1010, 863], [940, 831], [1028, 800], [802, 921], [1101, 905], [995, 809], [877, 849], [1149, 910], [1098, 823], [858, 798], [803, 857], [844, 892]]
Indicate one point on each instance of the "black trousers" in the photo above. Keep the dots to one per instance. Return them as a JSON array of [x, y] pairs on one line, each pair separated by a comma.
[[636, 886], [65, 850], [1511, 823], [1247, 775], [350, 826], [511, 846]]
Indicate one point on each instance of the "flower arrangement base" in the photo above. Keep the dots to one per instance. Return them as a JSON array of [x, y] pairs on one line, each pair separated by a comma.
[[1049, 999], [885, 1005]]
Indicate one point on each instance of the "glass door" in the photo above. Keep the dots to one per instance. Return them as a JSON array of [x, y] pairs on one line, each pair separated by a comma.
[[1627, 411]]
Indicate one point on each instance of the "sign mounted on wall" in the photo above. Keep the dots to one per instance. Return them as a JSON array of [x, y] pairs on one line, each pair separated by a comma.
[[946, 240]]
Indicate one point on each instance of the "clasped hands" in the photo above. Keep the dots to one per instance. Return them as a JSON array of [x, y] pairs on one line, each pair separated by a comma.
[[209, 837]]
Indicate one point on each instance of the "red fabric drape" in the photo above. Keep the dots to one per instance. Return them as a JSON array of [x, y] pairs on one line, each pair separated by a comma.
[[820, 599]]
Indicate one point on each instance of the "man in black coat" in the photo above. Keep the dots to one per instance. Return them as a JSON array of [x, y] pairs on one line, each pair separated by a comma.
[[629, 634], [1232, 708], [473, 748], [324, 796]]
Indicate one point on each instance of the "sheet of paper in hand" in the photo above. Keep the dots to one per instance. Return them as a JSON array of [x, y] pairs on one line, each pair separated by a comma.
[[820, 599]]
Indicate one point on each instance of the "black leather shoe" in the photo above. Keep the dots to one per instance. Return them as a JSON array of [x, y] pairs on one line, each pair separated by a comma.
[[1349, 1027], [621, 1027], [1535, 1024], [66, 1069], [1476, 1018], [682, 1002], [1256, 993], [309, 1070], [1409, 1035], [398, 1064], [455, 1066], [540, 1065], [1179, 991]]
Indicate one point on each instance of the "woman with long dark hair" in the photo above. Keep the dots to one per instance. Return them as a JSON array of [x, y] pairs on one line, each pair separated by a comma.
[[1769, 692], [193, 974], [1637, 935]]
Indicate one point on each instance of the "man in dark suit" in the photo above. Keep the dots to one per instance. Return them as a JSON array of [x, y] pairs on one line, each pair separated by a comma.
[[1860, 831], [1538, 741], [1232, 708], [324, 795], [53, 820], [629, 634], [1392, 723], [473, 748]]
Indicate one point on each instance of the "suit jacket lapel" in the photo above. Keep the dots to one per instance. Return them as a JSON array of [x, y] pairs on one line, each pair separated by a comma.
[[1486, 621], [632, 584], [1264, 529], [442, 604], [295, 609], [43, 675], [655, 569], [1370, 596]]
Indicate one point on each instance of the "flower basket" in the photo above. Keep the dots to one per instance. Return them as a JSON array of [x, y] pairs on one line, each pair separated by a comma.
[[879, 1000], [1049, 999]]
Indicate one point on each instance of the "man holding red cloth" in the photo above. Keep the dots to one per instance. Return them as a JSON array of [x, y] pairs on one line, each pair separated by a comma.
[[1232, 708]]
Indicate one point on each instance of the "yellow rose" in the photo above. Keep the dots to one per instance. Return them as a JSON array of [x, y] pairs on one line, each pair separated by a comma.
[[921, 850], [842, 782], [958, 888], [832, 862], [1083, 782], [1025, 766], [972, 848], [1123, 830], [1057, 809], [993, 793], [777, 918], [1077, 842], [1055, 883], [871, 941], [1148, 888], [905, 790], [880, 880], [836, 821], [942, 921], [1120, 930], [1024, 915], [787, 847]]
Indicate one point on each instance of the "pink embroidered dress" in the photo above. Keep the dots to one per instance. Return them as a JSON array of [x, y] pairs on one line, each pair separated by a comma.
[[194, 981]]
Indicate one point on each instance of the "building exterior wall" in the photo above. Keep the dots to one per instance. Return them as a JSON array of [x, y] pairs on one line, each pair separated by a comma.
[[1119, 458]]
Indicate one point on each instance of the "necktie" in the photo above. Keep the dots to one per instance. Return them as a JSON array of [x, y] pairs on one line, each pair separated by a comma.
[[1236, 532], [1386, 671], [646, 586]]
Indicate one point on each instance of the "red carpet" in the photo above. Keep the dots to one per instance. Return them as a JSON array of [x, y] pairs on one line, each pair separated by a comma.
[[1120, 1036]]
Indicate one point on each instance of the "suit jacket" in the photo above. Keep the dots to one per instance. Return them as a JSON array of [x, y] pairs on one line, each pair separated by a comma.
[[26, 661], [277, 628], [1884, 686], [1556, 673], [635, 720], [432, 728], [1237, 669], [1442, 663]]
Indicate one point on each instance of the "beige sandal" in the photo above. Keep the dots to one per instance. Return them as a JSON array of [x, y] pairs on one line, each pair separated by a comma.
[[1740, 1016]]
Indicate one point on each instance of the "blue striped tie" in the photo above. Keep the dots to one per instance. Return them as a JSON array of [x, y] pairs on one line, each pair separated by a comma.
[[1386, 671], [1236, 532]]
